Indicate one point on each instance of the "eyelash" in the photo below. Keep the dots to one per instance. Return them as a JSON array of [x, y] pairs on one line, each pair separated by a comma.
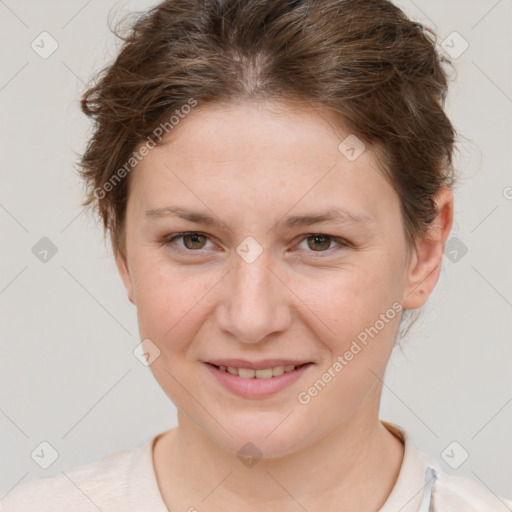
[[168, 240]]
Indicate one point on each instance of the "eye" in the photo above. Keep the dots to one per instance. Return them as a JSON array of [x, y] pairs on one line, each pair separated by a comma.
[[319, 242], [192, 241]]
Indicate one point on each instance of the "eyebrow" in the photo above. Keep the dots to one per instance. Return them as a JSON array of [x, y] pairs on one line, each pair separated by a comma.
[[337, 215]]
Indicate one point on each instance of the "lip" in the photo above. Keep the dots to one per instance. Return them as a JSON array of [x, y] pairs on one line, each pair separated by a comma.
[[256, 365], [256, 388]]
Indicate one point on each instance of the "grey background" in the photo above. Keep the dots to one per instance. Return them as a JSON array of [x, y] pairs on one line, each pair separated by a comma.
[[67, 369]]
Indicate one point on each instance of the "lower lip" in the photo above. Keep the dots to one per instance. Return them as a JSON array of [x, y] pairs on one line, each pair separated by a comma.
[[257, 388]]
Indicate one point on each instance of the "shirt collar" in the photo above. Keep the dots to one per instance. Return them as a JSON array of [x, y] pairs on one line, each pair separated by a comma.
[[417, 474], [414, 478]]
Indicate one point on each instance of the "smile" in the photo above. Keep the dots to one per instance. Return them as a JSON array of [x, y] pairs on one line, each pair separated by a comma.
[[265, 373], [250, 383]]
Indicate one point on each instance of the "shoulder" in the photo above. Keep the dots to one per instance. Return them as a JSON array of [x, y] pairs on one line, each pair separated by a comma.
[[438, 490], [86, 487], [459, 494]]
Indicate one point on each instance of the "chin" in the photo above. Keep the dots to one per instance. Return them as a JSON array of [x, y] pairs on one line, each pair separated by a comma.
[[261, 436]]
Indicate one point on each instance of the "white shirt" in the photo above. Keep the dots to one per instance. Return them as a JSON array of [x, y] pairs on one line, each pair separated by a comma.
[[125, 481]]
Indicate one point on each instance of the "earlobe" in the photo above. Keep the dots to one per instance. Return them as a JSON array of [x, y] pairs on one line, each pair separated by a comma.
[[426, 260], [122, 267]]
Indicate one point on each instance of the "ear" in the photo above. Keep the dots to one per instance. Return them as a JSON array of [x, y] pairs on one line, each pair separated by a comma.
[[122, 267], [427, 257]]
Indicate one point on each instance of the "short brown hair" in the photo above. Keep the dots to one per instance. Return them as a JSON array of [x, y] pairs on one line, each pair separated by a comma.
[[377, 71]]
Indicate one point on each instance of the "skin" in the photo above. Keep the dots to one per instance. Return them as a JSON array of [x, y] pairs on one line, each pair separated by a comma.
[[250, 165]]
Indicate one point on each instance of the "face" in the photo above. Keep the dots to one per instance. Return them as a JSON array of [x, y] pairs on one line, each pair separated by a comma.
[[226, 259]]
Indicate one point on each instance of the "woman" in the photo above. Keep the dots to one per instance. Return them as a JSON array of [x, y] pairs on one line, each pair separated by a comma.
[[275, 177]]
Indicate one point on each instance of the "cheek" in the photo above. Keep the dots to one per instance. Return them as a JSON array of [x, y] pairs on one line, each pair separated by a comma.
[[350, 299], [335, 305], [169, 300], [358, 307]]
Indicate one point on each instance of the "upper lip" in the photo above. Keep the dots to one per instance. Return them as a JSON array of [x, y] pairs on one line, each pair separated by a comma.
[[256, 365]]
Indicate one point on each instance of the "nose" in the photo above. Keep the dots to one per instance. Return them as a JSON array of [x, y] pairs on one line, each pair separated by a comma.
[[255, 301]]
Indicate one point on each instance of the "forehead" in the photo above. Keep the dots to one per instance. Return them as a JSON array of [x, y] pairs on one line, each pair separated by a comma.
[[262, 154], [254, 130]]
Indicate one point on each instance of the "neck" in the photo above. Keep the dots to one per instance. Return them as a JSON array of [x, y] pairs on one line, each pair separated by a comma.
[[354, 467]]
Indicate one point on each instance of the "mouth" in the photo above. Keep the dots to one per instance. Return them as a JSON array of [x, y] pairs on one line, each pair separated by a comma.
[[243, 379], [261, 373]]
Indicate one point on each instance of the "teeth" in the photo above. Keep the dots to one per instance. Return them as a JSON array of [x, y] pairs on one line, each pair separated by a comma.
[[246, 373], [266, 373], [278, 370]]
